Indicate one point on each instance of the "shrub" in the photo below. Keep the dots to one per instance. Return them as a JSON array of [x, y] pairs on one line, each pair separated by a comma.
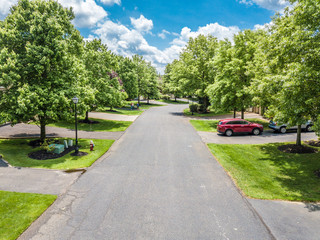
[[201, 108], [193, 107]]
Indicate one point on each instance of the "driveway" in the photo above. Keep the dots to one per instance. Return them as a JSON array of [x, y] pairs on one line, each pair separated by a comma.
[[266, 137]]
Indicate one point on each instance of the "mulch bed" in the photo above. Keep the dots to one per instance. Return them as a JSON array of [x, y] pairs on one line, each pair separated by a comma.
[[313, 143], [292, 148], [44, 155], [37, 142]]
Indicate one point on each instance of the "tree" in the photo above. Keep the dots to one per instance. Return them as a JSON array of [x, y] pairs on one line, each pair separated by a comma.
[[101, 76], [41, 71], [198, 73], [128, 76], [171, 80], [152, 87], [294, 52]]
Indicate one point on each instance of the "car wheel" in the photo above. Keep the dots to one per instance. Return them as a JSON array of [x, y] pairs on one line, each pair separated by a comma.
[[308, 128], [229, 132], [283, 130], [256, 131]]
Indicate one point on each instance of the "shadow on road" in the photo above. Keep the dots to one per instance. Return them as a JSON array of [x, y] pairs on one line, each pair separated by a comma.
[[313, 207]]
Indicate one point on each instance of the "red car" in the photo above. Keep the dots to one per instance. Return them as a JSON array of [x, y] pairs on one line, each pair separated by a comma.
[[236, 125]]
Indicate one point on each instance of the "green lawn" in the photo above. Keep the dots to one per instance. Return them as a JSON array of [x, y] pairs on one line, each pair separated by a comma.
[[126, 110], [205, 125], [102, 126], [19, 210], [187, 112], [172, 101], [211, 125], [15, 151], [264, 172]]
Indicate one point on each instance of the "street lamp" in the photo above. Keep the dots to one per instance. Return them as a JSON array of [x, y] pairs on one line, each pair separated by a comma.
[[75, 101]]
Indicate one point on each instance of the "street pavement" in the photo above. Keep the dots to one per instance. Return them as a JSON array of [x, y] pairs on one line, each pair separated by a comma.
[[158, 181]]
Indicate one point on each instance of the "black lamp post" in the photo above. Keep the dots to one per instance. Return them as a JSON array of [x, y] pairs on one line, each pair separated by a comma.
[[75, 101]]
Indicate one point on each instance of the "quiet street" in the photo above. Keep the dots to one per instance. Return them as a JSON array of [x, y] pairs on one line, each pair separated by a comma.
[[159, 181]]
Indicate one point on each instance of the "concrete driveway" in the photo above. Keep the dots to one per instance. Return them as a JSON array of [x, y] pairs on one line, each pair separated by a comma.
[[266, 137]]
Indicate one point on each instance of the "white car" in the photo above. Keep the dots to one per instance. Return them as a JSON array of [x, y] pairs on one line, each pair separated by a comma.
[[284, 127]]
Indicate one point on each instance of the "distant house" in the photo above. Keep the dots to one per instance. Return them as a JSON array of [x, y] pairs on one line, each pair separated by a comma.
[[1, 88]]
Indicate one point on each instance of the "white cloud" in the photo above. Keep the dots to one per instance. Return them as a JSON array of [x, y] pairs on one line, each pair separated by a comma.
[[5, 6], [127, 42], [111, 2], [163, 34], [266, 26], [87, 12], [213, 29], [274, 5], [142, 24]]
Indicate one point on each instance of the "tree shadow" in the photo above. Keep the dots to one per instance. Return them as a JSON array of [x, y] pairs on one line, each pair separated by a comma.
[[297, 172], [312, 207]]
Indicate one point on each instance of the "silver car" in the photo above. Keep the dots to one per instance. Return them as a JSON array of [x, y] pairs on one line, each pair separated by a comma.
[[284, 127]]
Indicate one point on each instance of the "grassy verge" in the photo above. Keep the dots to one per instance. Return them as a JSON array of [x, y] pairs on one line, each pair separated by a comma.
[[205, 125], [264, 172], [187, 112], [126, 110], [211, 125], [15, 151], [19, 210], [172, 101], [102, 126]]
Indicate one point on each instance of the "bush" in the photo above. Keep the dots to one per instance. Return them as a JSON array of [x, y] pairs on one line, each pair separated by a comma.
[[193, 107], [201, 108]]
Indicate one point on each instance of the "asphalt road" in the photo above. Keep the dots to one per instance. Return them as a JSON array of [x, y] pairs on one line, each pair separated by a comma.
[[159, 181]]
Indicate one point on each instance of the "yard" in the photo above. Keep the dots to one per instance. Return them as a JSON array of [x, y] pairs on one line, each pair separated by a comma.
[[264, 172]]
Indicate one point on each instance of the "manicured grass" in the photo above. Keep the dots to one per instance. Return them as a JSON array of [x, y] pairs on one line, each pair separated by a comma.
[[187, 112], [263, 172], [15, 151], [205, 125], [211, 125], [126, 110], [102, 126], [19, 210], [172, 101]]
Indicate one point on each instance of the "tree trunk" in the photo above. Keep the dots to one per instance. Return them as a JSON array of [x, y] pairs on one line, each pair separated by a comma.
[[263, 110], [298, 142], [148, 100], [242, 113], [87, 117], [175, 98], [234, 113], [42, 129]]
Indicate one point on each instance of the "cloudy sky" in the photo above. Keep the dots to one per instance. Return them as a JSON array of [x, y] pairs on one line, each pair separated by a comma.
[[158, 30]]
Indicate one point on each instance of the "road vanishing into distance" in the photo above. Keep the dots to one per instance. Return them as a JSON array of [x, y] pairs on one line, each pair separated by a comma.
[[159, 181]]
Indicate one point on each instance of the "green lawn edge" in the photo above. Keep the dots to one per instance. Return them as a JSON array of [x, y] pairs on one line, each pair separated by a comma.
[[172, 101], [15, 152], [262, 171], [187, 112], [19, 210]]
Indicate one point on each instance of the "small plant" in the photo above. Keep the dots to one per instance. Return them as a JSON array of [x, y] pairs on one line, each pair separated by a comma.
[[202, 108], [46, 147], [193, 107]]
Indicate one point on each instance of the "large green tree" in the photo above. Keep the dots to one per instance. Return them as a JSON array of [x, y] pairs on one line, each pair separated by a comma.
[[198, 72], [295, 50], [40, 69]]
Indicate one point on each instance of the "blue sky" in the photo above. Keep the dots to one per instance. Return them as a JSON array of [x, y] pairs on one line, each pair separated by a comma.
[[158, 30]]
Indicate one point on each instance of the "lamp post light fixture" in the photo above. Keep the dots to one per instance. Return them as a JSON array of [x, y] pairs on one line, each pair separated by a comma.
[[75, 101]]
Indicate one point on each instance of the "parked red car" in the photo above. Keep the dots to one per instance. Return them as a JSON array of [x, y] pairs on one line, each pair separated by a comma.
[[236, 125]]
